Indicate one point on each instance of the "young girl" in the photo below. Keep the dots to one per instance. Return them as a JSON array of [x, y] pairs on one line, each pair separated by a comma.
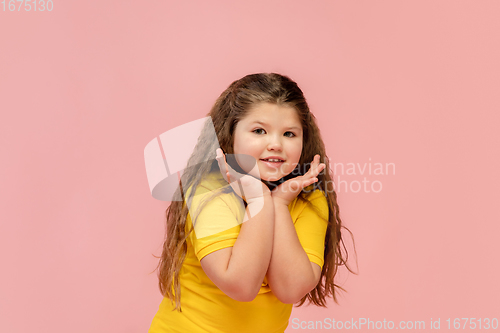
[[259, 228]]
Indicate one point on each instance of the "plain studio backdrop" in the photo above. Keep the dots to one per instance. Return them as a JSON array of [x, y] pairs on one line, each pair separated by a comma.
[[411, 85]]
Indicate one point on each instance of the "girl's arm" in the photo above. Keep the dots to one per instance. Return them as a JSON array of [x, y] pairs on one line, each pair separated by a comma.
[[291, 275], [239, 270]]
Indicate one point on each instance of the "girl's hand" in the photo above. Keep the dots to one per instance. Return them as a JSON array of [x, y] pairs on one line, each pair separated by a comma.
[[246, 186], [287, 191]]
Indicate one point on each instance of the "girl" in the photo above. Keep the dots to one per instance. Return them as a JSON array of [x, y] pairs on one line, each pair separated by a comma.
[[218, 274]]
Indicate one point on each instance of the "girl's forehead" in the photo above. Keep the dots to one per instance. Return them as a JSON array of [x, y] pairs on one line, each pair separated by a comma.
[[267, 112]]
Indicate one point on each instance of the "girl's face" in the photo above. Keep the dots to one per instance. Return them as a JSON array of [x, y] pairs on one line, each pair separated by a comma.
[[269, 131]]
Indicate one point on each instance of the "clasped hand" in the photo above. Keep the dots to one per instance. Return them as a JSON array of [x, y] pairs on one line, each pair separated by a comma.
[[253, 188], [287, 191]]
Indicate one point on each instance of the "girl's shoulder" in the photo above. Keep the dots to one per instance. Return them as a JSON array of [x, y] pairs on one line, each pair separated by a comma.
[[311, 193], [313, 198], [213, 187], [212, 181], [214, 207]]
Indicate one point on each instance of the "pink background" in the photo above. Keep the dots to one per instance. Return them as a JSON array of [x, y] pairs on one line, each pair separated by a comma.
[[85, 87]]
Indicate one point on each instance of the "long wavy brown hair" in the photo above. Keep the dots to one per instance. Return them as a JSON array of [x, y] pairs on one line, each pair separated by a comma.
[[232, 106]]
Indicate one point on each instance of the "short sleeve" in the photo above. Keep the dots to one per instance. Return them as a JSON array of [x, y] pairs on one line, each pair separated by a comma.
[[311, 226], [217, 224]]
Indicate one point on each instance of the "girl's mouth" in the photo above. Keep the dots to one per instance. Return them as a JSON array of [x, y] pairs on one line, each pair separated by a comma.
[[273, 163]]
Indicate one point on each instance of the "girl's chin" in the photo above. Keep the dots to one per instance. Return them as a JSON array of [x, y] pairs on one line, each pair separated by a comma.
[[268, 176], [271, 179], [271, 176], [267, 179]]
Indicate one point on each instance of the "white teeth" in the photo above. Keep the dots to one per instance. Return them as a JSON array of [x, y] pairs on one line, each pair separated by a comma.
[[273, 160]]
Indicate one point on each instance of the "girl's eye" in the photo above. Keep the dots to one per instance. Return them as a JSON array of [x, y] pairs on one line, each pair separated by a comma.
[[258, 131], [290, 136]]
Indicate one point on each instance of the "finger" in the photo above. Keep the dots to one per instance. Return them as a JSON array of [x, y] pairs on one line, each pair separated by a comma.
[[315, 161], [231, 174], [227, 169], [312, 176], [314, 165], [222, 163], [318, 166], [218, 157], [310, 181], [307, 181]]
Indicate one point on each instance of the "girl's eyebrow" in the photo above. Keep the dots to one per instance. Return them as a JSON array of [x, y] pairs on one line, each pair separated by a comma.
[[263, 123]]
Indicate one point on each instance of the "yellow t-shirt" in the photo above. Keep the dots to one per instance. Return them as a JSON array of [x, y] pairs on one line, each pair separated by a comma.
[[205, 308]]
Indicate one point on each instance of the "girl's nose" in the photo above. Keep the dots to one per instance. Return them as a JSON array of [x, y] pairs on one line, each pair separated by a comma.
[[274, 144]]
